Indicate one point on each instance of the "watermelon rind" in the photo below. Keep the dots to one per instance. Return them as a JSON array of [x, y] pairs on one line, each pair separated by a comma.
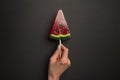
[[60, 36]]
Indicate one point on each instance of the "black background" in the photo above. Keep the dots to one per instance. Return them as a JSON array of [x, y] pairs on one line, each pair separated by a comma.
[[94, 46]]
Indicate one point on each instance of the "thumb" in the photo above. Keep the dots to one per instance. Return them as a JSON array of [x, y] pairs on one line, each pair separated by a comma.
[[57, 52]]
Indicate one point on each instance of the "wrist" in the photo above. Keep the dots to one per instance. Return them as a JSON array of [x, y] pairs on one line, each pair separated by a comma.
[[53, 77]]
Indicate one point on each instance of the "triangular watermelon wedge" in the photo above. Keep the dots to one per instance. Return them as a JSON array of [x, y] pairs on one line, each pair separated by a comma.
[[60, 30]]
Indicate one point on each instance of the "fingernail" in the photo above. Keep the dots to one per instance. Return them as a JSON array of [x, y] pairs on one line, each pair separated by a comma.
[[58, 47]]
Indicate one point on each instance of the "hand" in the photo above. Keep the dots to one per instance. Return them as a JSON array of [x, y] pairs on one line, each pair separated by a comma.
[[59, 62]]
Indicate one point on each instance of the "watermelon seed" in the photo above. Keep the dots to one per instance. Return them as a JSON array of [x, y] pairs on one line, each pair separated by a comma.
[[62, 31], [56, 31]]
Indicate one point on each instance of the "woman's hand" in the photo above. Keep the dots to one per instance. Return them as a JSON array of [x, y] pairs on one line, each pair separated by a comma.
[[59, 62]]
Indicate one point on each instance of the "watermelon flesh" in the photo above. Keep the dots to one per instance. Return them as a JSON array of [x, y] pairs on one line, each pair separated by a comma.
[[60, 30]]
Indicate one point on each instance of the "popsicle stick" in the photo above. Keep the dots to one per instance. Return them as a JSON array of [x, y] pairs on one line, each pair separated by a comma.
[[60, 46], [60, 42]]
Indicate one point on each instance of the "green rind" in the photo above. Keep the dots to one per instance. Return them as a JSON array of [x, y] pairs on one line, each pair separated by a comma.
[[60, 38]]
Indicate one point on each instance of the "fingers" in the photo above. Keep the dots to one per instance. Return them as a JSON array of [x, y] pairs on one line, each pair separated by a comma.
[[64, 53], [64, 57], [56, 53]]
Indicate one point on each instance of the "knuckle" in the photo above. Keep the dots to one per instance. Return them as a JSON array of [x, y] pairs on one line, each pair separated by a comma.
[[69, 63], [66, 49], [64, 62], [52, 60]]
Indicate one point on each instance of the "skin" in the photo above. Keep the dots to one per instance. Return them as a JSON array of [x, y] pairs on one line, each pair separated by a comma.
[[59, 62]]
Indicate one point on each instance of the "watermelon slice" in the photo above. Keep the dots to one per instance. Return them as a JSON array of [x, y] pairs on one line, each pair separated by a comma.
[[60, 30]]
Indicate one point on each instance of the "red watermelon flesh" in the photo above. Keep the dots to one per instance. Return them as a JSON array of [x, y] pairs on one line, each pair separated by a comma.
[[60, 28]]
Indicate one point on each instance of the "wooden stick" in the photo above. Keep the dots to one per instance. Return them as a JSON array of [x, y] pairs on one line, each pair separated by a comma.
[[60, 46], [60, 42]]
